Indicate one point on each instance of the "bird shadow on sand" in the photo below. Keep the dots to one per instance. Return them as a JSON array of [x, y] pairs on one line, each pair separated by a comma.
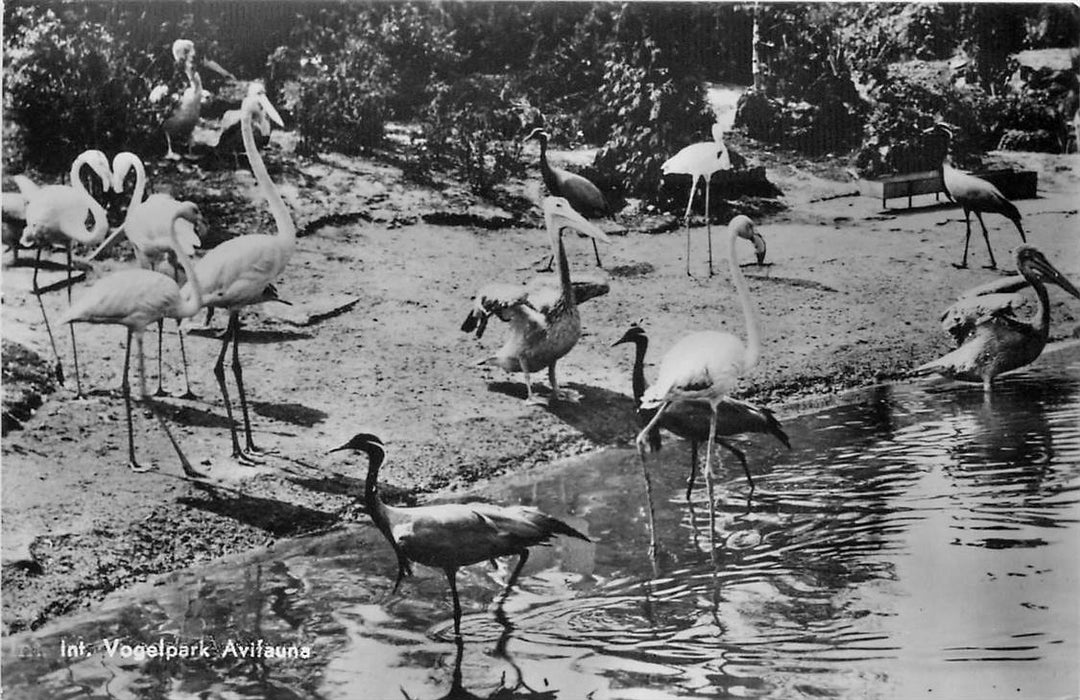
[[253, 337], [294, 413], [603, 416], [275, 517]]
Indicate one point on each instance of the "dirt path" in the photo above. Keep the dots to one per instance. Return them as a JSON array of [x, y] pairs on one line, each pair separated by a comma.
[[852, 297]]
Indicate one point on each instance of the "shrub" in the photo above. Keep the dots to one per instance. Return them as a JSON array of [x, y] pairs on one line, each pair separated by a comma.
[[473, 126]]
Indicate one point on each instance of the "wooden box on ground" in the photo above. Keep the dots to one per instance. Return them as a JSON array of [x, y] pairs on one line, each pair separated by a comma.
[[1014, 184]]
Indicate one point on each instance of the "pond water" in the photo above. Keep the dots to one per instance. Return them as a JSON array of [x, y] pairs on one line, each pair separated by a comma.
[[917, 541]]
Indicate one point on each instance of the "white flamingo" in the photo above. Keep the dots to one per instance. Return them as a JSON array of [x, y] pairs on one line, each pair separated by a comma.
[[700, 161], [56, 214], [238, 272], [135, 298], [703, 367]]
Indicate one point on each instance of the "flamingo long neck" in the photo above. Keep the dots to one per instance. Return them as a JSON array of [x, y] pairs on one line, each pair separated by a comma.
[[285, 226], [753, 331], [101, 219], [559, 251], [140, 183], [192, 302], [641, 345]]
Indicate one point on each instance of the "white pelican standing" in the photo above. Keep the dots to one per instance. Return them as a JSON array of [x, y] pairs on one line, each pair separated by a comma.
[[544, 319], [229, 137], [1000, 342], [238, 272], [56, 214], [700, 161], [452, 535], [703, 367], [135, 298], [146, 226], [181, 99]]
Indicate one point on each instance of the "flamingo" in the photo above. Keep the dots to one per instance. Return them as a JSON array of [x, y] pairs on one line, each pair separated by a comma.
[[181, 101], [544, 320], [736, 416], [703, 367], [584, 197], [238, 272], [56, 214], [1000, 342], [974, 194], [229, 137], [700, 161], [452, 535], [135, 298]]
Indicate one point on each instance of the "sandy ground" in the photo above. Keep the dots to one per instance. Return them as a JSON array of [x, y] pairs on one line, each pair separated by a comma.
[[852, 297]]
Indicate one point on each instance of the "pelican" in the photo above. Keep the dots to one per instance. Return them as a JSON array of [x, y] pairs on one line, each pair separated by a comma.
[[688, 422], [700, 161], [452, 535], [974, 195], [181, 99], [146, 227], [703, 367], [135, 298], [999, 296], [236, 273], [1000, 342], [56, 214], [544, 320], [262, 124]]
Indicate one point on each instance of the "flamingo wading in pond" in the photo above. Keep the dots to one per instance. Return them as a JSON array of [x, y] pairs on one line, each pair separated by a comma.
[[1000, 342], [452, 535], [703, 367], [238, 272], [579, 191], [146, 226], [56, 214], [700, 161], [135, 298], [544, 320], [976, 195], [690, 423]]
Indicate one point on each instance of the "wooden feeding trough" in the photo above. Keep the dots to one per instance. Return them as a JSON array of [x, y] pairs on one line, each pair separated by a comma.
[[1014, 184]]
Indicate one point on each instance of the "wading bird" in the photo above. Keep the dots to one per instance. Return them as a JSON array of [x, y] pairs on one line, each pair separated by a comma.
[[700, 161], [703, 367], [180, 100], [56, 214], [14, 221], [135, 298], [453, 535], [690, 422], [544, 319], [237, 273], [1000, 342], [585, 197], [146, 226], [230, 139], [974, 195]]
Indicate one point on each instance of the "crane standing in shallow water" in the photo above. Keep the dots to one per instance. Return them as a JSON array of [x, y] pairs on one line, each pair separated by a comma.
[[56, 214], [703, 367], [453, 535], [584, 197], [1000, 342], [238, 273], [736, 416], [976, 195], [135, 298], [544, 320]]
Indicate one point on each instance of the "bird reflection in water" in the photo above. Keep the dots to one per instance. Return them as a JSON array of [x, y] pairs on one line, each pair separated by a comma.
[[505, 690]]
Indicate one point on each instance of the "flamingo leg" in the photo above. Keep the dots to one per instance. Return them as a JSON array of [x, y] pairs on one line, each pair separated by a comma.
[[741, 456], [239, 375], [45, 316], [596, 252], [184, 463], [451, 577], [219, 373], [640, 441], [71, 329], [708, 221], [986, 237], [160, 334], [693, 469], [686, 217], [188, 394], [709, 483], [125, 386], [967, 240]]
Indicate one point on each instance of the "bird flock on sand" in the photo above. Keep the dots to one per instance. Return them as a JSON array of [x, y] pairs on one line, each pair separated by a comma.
[[691, 395]]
